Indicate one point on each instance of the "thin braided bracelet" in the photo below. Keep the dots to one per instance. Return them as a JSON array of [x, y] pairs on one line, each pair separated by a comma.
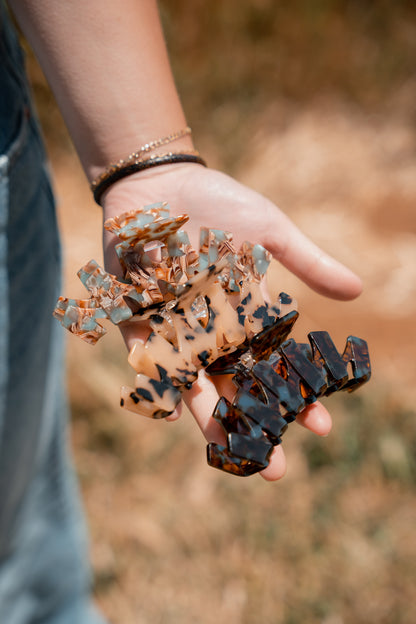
[[138, 154], [154, 161]]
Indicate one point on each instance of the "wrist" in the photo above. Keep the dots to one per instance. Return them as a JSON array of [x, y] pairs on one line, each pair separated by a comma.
[[165, 150], [135, 144], [159, 184]]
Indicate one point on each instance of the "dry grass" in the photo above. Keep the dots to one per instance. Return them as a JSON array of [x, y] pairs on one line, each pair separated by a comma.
[[326, 130]]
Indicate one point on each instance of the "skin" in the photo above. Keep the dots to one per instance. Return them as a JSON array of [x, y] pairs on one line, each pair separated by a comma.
[[109, 69]]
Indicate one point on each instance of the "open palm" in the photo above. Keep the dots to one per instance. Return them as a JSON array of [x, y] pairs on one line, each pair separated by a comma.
[[215, 200]]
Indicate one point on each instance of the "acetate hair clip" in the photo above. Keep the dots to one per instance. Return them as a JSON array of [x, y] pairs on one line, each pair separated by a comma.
[[206, 311]]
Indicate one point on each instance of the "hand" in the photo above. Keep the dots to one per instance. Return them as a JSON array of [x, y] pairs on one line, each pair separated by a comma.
[[215, 200]]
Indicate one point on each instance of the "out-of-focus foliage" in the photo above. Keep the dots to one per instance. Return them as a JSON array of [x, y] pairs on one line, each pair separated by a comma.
[[247, 52]]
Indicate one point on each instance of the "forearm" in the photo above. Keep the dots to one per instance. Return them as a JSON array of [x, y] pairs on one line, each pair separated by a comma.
[[108, 67]]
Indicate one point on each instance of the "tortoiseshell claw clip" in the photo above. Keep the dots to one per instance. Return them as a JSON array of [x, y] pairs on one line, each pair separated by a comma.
[[206, 310], [272, 390]]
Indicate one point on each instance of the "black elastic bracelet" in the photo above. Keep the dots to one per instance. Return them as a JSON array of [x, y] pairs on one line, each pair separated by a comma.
[[155, 161]]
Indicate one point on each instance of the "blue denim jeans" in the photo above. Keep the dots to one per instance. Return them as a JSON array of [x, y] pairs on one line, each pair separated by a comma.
[[44, 573]]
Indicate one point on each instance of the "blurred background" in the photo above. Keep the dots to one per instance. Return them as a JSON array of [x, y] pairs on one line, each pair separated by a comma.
[[312, 103]]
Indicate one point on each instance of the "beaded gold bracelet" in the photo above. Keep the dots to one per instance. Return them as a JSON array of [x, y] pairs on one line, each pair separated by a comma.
[[133, 167]]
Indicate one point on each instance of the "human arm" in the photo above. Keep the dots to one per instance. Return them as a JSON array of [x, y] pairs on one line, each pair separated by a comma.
[[108, 67]]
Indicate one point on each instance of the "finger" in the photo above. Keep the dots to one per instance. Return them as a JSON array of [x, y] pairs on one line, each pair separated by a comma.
[[201, 399], [316, 418], [302, 257], [176, 414], [277, 466]]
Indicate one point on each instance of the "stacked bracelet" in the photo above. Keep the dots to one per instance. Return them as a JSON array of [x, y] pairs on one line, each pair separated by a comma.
[[135, 162], [119, 173]]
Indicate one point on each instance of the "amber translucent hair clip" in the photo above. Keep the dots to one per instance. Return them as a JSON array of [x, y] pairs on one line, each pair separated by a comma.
[[206, 311]]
